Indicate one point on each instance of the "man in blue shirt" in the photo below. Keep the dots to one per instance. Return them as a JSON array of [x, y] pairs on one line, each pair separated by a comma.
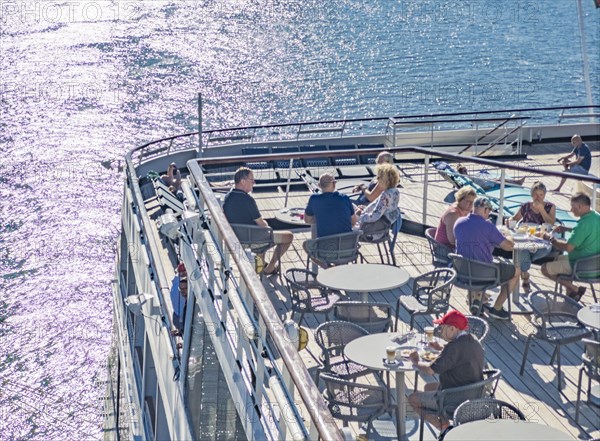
[[582, 163], [331, 211], [476, 239]]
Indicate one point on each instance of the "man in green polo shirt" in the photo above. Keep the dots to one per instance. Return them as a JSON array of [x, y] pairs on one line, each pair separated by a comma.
[[584, 242]]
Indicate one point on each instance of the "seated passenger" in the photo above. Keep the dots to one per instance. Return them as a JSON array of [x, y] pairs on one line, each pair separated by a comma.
[[241, 208], [444, 233], [584, 242], [476, 238], [538, 211], [173, 177], [331, 211], [179, 292], [581, 164], [386, 205], [372, 191], [460, 363]]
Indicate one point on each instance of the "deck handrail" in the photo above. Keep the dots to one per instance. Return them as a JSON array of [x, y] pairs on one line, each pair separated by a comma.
[[311, 398], [431, 116]]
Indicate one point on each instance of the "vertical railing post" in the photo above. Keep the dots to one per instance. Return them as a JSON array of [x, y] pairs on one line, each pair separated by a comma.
[[500, 218], [200, 152], [425, 185]]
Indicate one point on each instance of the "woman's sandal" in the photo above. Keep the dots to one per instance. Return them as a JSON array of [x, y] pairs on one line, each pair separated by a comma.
[[577, 295], [525, 284], [275, 271]]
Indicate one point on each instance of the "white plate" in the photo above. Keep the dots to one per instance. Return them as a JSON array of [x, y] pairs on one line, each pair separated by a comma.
[[520, 237], [405, 351]]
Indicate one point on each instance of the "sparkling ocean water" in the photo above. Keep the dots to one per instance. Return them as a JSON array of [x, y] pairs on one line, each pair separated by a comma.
[[82, 82]]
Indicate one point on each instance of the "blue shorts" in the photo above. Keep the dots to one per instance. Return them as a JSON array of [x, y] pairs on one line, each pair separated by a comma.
[[578, 170]]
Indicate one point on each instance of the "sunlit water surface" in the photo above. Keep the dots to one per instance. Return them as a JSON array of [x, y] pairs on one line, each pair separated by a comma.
[[82, 83]]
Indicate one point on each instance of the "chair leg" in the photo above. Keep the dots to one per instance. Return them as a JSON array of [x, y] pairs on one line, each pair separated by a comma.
[[578, 394], [421, 425], [594, 292], [559, 374], [380, 253], [412, 321], [525, 354], [553, 355]]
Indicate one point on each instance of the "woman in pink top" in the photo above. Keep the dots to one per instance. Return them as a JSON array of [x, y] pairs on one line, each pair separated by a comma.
[[465, 197]]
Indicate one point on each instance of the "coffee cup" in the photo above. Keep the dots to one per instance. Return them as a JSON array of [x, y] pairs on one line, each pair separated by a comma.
[[390, 352], [512, 224], [429, 332]]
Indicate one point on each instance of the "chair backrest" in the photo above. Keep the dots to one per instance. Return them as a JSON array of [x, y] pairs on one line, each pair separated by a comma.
[[553, 309], [433, 289], [258, 239], [351, 401], [591, 358], [486, 408], [473, 274], [377, 231], [439, 251], [301, 286], [334, 335], [587, 269], [478, 327], [337, 249], [449, 399], [373, 317]]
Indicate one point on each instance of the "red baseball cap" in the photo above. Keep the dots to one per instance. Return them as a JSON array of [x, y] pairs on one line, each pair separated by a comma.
[[454, 318]]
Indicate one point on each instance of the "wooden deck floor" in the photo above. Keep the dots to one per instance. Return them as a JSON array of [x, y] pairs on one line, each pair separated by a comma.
[[535, 393]]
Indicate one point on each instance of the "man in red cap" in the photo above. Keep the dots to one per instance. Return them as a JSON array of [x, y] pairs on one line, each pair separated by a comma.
[[460, 363]]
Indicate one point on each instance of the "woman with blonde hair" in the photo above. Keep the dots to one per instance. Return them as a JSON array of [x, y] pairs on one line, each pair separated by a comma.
[[386, 204], [444, 233], [372, 191]]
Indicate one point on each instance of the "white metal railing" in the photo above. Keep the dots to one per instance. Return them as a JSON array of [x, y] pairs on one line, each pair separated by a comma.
[[253, 346]]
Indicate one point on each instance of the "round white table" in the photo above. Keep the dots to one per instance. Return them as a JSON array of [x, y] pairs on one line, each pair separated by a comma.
[[363, 277], [590, 316], [293, 216], [369, 351], [506, 430]]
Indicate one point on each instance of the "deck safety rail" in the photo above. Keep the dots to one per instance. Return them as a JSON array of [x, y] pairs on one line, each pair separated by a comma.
[[284, 400], [346, 128], [427, 155]]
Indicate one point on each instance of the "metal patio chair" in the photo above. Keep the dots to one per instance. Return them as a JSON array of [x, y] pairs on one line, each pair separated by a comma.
[[555, 320], [478, 327], [484, 409], [475, 276], [373, 317], [586, 270], [337, 249], [430, 295], [448, 400], [308, 295], [377, 233], [353, 401], [332, 337], [439, 251], [591, 366]]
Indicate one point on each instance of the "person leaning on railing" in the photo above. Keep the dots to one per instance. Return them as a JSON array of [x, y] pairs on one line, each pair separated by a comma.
[[584, 242], [581, 164]]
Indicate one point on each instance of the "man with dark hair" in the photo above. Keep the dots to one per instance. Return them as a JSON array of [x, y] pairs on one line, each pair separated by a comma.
[[460, 363], [241, 208], [476, 239], [582, 163], [584, 242], [331, 211]]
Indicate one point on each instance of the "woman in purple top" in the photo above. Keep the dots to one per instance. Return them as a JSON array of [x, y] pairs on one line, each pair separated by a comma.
[[537, 211]]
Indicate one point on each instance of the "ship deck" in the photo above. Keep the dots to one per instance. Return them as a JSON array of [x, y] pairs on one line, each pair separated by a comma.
[[535, 392]]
